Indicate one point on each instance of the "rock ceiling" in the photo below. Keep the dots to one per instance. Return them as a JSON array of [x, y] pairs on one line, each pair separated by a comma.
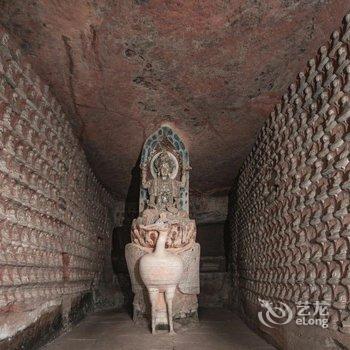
[[212, 69]]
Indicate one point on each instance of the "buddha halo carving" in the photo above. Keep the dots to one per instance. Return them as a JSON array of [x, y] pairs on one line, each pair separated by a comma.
[[164, 152]]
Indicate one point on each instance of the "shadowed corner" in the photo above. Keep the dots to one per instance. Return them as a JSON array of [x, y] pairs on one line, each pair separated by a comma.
[[121, 237]]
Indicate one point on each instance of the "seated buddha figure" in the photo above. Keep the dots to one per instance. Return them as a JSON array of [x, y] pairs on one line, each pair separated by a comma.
[[163, 190]]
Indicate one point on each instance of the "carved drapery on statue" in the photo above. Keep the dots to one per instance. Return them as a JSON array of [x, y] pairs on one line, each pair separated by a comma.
[[164, 197]]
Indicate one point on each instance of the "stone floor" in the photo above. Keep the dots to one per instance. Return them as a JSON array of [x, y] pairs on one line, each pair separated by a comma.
[[218, 329]]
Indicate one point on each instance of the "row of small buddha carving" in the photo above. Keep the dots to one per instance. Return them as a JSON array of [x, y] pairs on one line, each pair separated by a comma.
[[321, 175], [292, 164], [35, 167], [322, 225], [313, 144], [80, 201], [37, 185], [333, 166], [20, 113], [21, 117], [337, 297], [87, 201], [319, 228], [12, 62], [311, 113], [317, 222], [30, 85], [336, 153], [283, 231], [16, 101], [15, 276], [21, 171], [282, 120], [31, 198], [294, 290], [25, 294], [29, 237], [19, 211], [27, 256], [89, 196], [83, 208], [91, 191], [305, 258], [86, 231], [288, 240], [311, 272], [85, 223], [310, 87], [22, 254], [333, 77], [36, 112], [16, 185], [47, 225], [83, 246], [324, 132], [326, 198], [291, 262], [286, 247], [337, 300], [310, 277], [20, 149], [320, 269], [25, 120], [337, 250], [19, 132]]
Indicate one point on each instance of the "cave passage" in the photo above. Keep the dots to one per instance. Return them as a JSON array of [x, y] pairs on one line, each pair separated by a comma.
[[128, 124]]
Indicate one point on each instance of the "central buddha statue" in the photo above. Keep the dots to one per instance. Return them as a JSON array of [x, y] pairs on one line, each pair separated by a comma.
[[164, 189]]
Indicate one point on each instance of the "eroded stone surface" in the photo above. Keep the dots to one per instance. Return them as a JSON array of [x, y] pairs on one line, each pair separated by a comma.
[[212, 68]]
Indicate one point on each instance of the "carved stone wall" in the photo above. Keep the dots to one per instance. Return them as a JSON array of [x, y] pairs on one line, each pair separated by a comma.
[[55, 218], [289, 216]]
